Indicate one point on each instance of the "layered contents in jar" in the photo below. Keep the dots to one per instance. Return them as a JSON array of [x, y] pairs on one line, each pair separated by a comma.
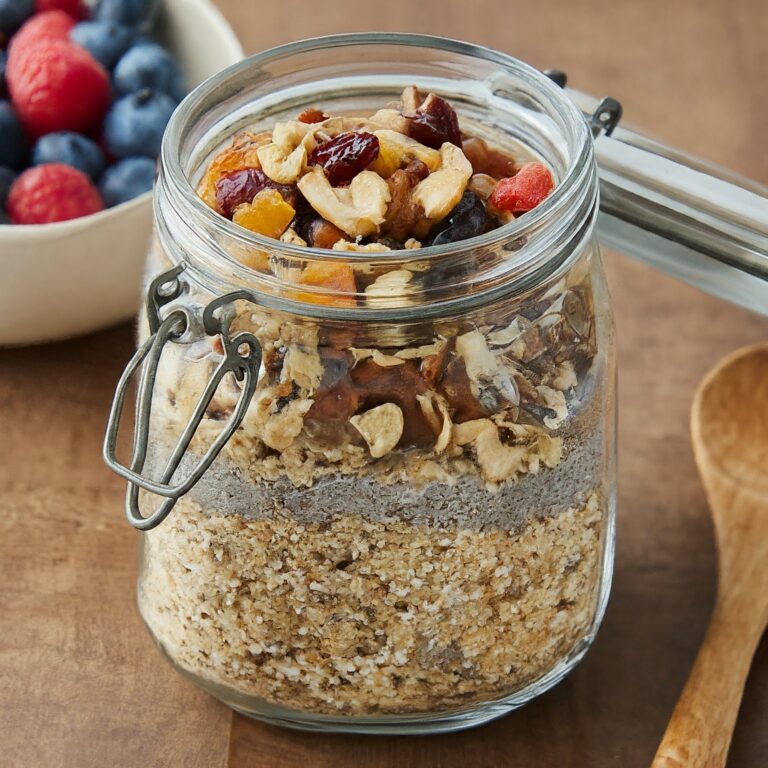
[[408, 523]]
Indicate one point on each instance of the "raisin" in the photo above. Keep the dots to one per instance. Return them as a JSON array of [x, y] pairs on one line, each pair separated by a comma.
[[241, 186], [468, 219], [434, 123], [345, 155], [312, 115], [403, 215]]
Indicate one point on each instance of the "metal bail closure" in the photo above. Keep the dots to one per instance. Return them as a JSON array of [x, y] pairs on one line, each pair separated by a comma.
[[242, 358], [606, 117]]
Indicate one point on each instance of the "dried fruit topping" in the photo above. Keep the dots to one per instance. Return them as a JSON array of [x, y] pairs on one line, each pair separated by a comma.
[[405, 217], [242, 153], [345, 155], [241, 186], [396, 150], [312, 115], [434, 123], [467, 219], [335, 278], [323, 234], [267, 214], [523, 191], [487, 160]]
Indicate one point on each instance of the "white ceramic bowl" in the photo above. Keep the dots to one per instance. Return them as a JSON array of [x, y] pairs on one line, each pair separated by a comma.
[[61, 280]]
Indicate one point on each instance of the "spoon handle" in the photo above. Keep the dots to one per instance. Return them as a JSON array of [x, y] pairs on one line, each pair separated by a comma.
[[699, 732]]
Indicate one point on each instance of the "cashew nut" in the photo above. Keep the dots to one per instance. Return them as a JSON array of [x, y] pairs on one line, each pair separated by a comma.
[[358, 210], [441, 191]]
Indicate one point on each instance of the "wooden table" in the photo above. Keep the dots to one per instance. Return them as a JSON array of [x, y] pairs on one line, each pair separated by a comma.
[[81, 685]]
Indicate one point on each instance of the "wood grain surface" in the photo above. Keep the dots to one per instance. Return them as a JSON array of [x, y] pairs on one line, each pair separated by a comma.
[[81, 685]]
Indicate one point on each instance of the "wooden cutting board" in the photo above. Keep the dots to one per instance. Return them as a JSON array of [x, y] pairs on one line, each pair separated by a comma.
[[81, 684]]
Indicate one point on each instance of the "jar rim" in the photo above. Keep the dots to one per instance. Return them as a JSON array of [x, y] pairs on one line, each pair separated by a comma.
[[580, 174]]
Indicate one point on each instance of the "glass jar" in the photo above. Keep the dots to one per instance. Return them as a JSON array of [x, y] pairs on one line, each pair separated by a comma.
[[386, 508]]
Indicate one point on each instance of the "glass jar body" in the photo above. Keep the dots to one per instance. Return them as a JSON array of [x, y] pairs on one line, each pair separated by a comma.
[[306, 582], [412, 528]]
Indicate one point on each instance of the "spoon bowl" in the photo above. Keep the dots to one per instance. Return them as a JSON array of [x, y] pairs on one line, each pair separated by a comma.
[[729, 427], [729, 419]]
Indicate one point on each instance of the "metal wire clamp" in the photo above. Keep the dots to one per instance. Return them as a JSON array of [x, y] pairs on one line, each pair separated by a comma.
[[242, 358]]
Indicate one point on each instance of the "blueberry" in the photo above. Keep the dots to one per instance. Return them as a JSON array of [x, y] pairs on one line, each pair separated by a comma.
[[131, 13], [13, 143], [106, 41], [13, 13], [3, 65], [127, 179], [135, 124], [148, 65], [70, 148], [7, 177]]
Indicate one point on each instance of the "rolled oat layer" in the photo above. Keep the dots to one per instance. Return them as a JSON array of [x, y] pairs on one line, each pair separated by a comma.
[[355, 616]]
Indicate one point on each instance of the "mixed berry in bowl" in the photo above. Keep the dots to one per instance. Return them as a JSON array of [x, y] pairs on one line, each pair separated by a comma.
[[403, 177], [85, 97]]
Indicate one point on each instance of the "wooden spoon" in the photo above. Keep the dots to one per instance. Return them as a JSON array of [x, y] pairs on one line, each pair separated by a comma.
[[729, 426]]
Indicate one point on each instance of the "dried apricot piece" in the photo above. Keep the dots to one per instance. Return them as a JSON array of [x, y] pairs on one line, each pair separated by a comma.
[[335, 277], [240, 154], [312, 115], [267, 214]]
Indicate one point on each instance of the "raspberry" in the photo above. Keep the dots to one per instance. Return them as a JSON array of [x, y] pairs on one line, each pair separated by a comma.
[[57, 86], [51, 25], [523, 191], [75, 8], [53, 192]]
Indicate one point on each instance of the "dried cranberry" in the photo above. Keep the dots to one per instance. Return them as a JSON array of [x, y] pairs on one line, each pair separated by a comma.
[[345, 155], [241, 186], [434, 123]]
